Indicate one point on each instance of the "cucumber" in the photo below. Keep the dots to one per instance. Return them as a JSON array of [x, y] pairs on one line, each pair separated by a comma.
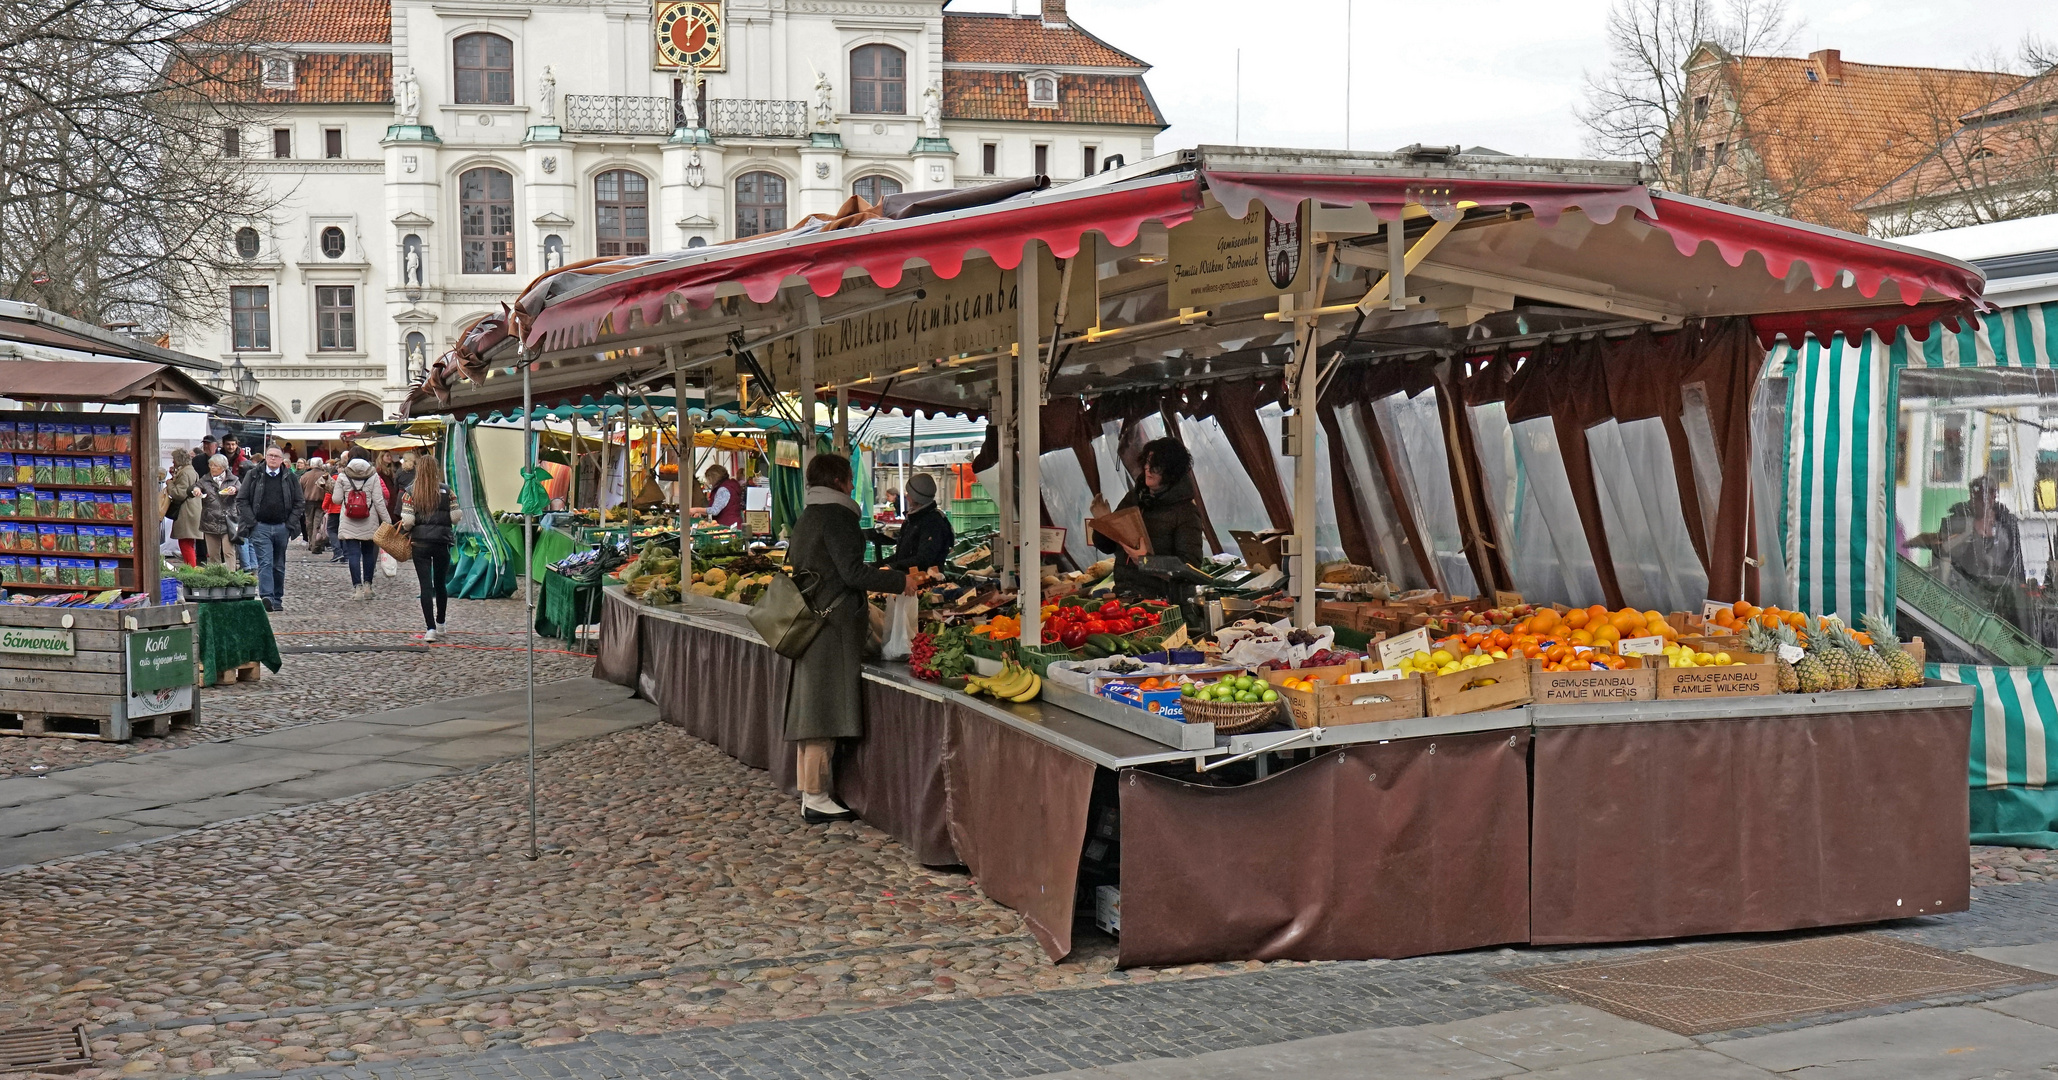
[[1109, 644]]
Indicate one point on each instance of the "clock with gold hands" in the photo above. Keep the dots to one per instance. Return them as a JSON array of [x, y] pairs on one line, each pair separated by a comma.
[[688, 34]]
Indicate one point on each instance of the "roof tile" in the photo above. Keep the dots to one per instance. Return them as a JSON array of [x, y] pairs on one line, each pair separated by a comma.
[[1023, 39], [318, 79], [1082, 99], [352, 22]]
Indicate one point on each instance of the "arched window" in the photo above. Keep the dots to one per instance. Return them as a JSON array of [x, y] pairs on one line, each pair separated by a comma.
[[485, 69], [1043, 90], [760, 203], [878, 79], [621, 213], [874, 189], [485, 213]]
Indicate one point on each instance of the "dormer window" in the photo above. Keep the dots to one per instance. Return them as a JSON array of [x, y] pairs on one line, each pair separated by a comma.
[[277, 72], [1043, 90]]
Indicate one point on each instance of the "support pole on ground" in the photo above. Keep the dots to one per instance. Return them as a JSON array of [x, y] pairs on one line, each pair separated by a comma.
[[1029, 436], [1004, 418], [529, 589]]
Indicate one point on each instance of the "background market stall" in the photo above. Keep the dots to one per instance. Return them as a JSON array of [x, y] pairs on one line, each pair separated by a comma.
[[1492, 374]]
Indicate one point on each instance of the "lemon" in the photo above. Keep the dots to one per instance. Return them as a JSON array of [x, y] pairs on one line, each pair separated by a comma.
[[1441, 657], [1722, 659], [1449, 669]]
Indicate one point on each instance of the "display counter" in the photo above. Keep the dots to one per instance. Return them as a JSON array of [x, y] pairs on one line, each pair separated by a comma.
[[1376, 840]]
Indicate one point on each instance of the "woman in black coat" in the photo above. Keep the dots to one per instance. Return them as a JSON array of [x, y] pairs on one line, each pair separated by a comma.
[[1165, 495], [827, 555]]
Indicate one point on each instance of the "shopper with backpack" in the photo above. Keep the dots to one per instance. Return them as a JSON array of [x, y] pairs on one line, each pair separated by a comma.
[[429, 514], [360, 496]]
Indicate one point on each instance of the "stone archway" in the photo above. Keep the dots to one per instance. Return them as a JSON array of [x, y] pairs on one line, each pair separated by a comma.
[[350, 408]]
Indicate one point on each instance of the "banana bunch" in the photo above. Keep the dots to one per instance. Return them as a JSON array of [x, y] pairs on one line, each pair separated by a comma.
[[1014, 683]]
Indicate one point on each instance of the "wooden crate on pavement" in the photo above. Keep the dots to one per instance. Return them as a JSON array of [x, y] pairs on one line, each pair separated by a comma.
[[67, 672]]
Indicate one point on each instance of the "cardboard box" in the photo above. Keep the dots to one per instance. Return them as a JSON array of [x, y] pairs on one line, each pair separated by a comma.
[[1755, 677], [1446, 695], [1260, 550], [1330, 704], [1635, 683], [1169, 704]]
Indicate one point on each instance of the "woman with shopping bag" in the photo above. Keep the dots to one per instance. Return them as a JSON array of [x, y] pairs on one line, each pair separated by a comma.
[[823, 704], [429, 515]]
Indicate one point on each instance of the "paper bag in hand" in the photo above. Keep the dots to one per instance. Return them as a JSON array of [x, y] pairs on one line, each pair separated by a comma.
[[1124, 526]]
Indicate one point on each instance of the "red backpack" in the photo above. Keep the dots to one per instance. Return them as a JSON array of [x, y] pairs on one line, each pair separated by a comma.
[[355, 505]]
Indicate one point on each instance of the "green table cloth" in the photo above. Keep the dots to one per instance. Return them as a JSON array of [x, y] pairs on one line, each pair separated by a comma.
[[234, 633], [565, 606]]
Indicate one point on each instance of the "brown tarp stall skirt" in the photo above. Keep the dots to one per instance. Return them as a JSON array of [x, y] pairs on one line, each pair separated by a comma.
[[722, 689], [1679, 828], [893, 777], [1018, 820], [616, 659], [1377, 850]]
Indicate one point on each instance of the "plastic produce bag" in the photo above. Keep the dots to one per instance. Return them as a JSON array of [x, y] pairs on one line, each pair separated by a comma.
[[1251, 645], [387, 566], [901, 615]]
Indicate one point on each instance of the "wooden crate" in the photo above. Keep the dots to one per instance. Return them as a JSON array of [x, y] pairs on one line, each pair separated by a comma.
[[1756, 677], [1445, 695], [1635, 683], [1329, 705], [84, 695]]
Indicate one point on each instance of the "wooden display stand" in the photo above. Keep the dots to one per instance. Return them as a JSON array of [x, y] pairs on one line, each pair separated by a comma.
[[91, 673]]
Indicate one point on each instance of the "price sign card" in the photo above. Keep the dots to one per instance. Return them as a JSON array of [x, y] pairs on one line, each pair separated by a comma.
[[1383, 675], [1396, 649], [1641, 646], [1710, 607]]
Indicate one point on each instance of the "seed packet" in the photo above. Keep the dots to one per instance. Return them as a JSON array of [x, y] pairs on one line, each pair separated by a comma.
[[24, 468], [10, 536], [61, 471], [103, 506], [88, 539], [67, 504], [46, 469], [67, 538], [47, 572], [6, 502], [46, 437], [124, 540], [60, 436], [110, 573], [103, 470], [122, 441], [121, 474], [103, 438], [124, 506]]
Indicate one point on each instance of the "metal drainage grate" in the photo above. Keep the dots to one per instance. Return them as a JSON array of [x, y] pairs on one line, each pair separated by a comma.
[[1724, 987], [44, 1049]]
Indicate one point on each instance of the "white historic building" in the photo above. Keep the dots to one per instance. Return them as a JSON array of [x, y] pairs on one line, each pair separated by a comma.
[[432, 156]]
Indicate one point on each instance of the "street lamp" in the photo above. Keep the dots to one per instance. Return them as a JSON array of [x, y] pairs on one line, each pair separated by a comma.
[[244, 378]]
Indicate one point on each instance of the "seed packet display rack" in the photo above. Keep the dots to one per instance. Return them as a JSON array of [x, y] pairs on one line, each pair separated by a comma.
[[78, 501]]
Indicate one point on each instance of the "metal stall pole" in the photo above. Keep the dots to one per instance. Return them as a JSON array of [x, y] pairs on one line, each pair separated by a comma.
[[1004, 418], [843, 420], [682, 418], [811, 311], [1307, 390], [529, 590], [1029, 436]]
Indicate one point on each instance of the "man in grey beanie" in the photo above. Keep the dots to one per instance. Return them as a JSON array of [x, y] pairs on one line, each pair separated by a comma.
[[925, 534]]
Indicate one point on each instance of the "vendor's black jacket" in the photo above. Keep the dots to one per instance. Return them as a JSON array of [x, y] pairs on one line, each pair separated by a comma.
[[270, 500], [925, 538], [1174, 525]]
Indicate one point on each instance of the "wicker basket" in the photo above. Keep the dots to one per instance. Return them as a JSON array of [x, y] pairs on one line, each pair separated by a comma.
[[1231, 717]]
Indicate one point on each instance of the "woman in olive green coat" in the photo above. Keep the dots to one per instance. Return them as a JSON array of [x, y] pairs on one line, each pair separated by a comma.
[[827, 555]]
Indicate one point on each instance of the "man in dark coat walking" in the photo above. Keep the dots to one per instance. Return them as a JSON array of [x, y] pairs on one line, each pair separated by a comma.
[[271, 496], [827, 554]]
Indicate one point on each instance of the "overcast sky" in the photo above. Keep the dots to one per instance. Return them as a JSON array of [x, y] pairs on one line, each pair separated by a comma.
[[1507, 74]]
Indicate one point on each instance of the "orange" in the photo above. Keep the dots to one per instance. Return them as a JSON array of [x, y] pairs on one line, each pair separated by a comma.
[[1607, 631], [1596, 611], [1666, 631], [1725, 618], [1740, 608], [1576, 619], [1543, 621], [1581, 637]]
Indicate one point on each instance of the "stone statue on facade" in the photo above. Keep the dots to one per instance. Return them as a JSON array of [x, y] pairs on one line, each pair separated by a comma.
[[407, 97], [932, 112], [546, 92], [825, 101]]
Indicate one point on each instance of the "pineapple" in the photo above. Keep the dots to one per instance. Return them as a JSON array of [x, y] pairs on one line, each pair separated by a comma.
[[1836, 663], [1907, 673], [1760, 639], [1810, 676], [1872, 669]]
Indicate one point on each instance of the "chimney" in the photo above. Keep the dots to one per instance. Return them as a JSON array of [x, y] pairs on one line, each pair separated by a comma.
[[1829, 63], [1054, 13]]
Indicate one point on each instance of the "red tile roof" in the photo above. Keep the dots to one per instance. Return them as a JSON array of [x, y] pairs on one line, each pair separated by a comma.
[[318, 79], [2004, 143], [1023, 39], [1831, 132], [1082, 99], [353, 22]]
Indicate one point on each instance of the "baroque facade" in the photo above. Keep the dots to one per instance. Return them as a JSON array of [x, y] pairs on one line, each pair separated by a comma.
[[430, 158]]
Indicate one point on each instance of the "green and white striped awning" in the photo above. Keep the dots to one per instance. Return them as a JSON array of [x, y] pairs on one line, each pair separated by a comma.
[[2017, 337], [1836, 521]]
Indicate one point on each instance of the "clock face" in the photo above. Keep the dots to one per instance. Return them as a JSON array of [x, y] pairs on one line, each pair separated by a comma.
[[689, 34]]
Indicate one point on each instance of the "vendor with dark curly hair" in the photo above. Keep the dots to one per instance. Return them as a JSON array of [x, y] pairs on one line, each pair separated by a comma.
[[1171, 519]]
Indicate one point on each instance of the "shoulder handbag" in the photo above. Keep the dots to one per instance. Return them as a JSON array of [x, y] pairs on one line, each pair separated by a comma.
[[393, 541], [786, 618]]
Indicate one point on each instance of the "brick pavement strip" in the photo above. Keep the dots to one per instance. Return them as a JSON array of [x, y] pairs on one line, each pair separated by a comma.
[[484, 654]]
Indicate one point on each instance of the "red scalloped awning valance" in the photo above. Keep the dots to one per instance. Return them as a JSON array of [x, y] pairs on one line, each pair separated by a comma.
[[882, 251], [1826, 253], [1886, 321]]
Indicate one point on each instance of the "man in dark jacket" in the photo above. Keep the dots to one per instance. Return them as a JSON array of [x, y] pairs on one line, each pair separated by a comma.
[[1170, 518], [271, 497], [925, 534]]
